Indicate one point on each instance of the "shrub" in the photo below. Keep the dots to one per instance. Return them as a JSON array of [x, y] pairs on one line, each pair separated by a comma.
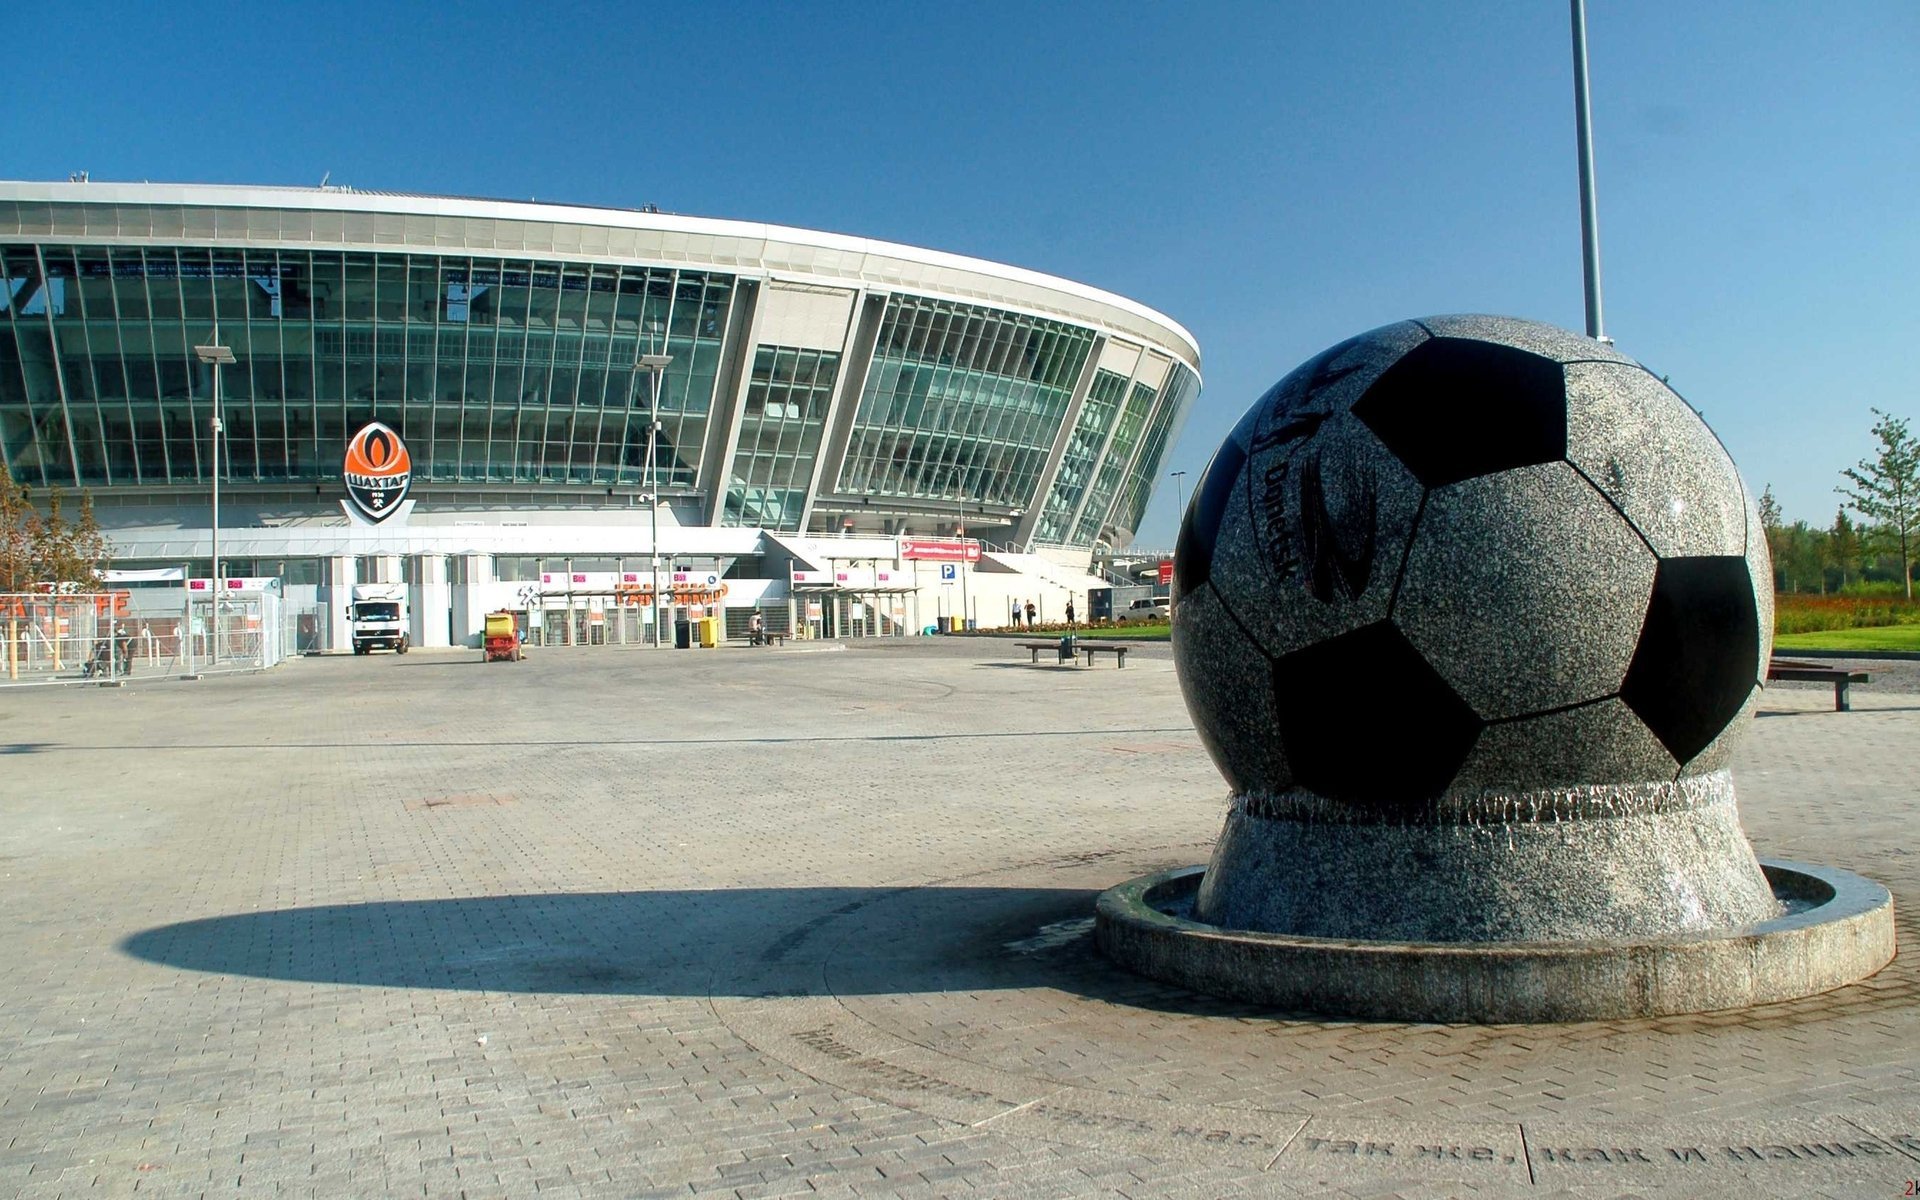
[[1864, 609]]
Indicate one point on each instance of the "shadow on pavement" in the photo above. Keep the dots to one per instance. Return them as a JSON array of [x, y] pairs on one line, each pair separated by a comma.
[[745, 942]]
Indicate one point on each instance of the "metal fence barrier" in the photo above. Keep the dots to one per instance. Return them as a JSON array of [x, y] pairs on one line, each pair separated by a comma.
[[147, 633]]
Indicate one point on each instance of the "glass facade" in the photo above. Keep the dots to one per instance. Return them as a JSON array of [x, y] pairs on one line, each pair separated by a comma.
[[1082, 454], [787, 400], [1130, 505], [504, 371], [962, 403], [492, 369], [1106, 481]]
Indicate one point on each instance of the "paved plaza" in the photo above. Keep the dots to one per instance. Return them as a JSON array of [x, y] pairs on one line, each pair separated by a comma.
[[797, 922]]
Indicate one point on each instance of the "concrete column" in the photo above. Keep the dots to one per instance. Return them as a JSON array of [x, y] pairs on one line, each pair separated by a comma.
[[469, 598], [432, 603], [339, 600]]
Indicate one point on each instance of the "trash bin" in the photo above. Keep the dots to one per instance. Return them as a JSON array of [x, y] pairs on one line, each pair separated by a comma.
[[972, 624], [709, 632], [953, 624], [682, 634]]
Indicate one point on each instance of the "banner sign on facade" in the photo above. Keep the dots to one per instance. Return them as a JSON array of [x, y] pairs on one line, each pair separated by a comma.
[[1166, 572], [236, 584], [940, 549], [144, 575], [378, 471]]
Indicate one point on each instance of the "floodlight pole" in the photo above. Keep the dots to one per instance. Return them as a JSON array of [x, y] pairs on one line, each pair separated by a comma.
[[655, 365], [216, 356], [1589, 213]]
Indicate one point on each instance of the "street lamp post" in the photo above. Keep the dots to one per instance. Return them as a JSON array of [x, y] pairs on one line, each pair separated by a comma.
[[216, 356], [1589, 209], [1179, 515], [655, 365]]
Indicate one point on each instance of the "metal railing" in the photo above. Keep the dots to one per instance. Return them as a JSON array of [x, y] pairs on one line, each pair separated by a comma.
[[150, 633]]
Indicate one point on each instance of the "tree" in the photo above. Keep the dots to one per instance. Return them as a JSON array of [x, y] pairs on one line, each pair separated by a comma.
[[1799, 558], [1773, 524], [20, 528], [1843, 545], [36, 549], [1771, 518], [73, 553], [1886, 491]]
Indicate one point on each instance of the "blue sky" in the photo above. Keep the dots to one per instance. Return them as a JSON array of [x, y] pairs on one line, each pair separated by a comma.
[[1274, 176]]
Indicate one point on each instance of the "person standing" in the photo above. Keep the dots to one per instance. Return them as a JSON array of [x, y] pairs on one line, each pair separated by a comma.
[[1031, 613], [1016, 614], [1069, 611]]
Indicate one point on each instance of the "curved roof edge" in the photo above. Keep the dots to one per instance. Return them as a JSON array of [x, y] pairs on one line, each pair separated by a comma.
[[344, 199]]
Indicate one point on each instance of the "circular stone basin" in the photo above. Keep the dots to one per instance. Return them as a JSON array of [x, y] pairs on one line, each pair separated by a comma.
[[1837, 929]]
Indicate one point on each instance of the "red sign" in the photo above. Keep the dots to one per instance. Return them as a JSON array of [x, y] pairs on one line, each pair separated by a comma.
[[1166, 572], [940, 549]]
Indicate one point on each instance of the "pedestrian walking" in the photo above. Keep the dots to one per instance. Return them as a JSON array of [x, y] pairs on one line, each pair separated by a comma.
[[1031, 613], [1069, 611], [1016, 614]]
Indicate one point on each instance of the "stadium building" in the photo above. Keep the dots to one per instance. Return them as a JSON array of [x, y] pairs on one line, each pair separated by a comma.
[[849, 436]]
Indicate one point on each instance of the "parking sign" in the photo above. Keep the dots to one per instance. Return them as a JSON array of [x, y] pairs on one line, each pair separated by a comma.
[[949, 570]]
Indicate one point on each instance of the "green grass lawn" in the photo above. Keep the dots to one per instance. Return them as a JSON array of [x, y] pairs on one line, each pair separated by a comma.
[[1883, 637], [1144, 631]]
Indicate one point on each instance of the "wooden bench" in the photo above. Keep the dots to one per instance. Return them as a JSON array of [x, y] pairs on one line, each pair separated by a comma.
[[1037, 647], [769, 639], [1805, 672]]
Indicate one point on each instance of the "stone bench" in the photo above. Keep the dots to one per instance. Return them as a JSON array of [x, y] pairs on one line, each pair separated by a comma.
[[1079, 646], [1037, 647], [1117, 649], [1789, 671]]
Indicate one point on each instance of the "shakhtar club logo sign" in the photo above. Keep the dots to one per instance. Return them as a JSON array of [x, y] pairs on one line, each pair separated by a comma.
[[378, 471]]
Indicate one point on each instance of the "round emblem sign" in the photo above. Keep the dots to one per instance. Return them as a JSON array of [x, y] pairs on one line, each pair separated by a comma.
[[378, 471]]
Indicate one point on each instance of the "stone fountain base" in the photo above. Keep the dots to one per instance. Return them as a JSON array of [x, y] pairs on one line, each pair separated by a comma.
[[1836, 928]]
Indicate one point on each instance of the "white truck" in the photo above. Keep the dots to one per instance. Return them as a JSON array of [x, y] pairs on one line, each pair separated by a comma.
[[380, 617]]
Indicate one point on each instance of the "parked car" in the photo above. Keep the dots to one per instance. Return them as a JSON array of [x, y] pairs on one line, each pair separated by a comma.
[[1147, 608]]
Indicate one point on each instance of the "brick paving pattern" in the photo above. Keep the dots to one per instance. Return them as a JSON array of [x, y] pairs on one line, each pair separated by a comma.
[[793, 923]]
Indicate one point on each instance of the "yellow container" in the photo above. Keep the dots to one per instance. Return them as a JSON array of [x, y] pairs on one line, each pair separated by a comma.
[[956, 624], [709, 632]]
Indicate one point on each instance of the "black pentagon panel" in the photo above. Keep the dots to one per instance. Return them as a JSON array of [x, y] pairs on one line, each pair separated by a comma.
[[1699, 651], [1718, 754], [1364, 720], [1200, 526], [1328, 384], [1454, 409]]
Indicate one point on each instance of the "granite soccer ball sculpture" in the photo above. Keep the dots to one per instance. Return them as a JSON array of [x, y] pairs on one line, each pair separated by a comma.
[[1468, 556]]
